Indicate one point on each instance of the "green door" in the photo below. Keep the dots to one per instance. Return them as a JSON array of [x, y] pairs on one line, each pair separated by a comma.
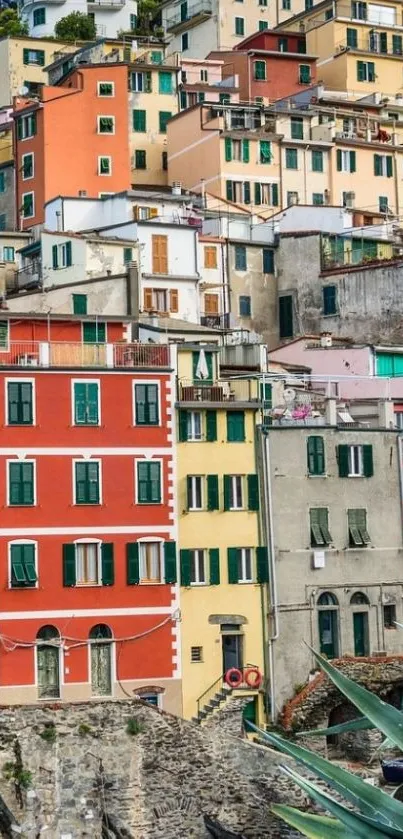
[[360, 625], [249, 712], [328, 636]]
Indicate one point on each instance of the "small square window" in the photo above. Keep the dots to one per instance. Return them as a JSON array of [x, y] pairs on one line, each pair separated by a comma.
[[8, 254], [196, 654], [28, 210], [389, 616], [106, 89], [104, 166], [239, 26], [80, 304], [244, 306], [106, 125], [23, 565]]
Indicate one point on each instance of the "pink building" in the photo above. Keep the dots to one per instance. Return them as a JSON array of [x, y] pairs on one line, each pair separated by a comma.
[[202, 80]]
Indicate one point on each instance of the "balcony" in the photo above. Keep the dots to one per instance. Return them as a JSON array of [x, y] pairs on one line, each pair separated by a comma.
[[105, 4], [184, 17], [214, 321], [226, 391], [73, 355]]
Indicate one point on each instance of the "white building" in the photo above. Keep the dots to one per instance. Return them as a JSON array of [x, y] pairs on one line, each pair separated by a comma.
[[110, 16]]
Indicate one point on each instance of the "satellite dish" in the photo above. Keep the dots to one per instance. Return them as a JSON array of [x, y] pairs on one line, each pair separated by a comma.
[[289, 394], [22, 91]]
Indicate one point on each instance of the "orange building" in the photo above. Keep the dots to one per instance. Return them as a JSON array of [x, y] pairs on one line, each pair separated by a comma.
[[74, 140]]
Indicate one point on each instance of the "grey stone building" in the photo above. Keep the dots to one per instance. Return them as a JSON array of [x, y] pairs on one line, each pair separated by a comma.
[[7, 196], [333, 515]]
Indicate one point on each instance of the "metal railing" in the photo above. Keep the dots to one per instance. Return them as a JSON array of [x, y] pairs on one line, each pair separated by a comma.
[[141, 355], [202, 8], [76, 354], [236, 390], [216, 686]]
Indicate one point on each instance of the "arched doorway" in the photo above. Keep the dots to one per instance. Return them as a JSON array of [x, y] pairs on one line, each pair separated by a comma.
[[328, 622], [48, 662], [360, 603], [101, 660]]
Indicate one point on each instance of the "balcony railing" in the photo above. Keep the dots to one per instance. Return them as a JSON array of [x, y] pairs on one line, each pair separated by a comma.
[[236, 390], [178, 18], [66, 354]]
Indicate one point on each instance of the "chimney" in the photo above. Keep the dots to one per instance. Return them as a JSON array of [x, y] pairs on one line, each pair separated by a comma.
[[331, 412], [326, 339], [58, 220], [386, 414], [133, 301]]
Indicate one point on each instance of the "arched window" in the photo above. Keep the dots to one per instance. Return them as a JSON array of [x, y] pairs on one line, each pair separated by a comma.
[[327, 599], [359, 599], [48, 661], [101, 659]]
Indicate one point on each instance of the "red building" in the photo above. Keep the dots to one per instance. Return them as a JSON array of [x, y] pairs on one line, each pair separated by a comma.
[[270, 65], [87, 536]]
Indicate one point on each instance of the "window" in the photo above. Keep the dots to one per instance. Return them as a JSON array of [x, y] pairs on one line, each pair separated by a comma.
[[156, 300], [106, 89], [346, 161], [164, 161], [165, 82], [26, 126], [79, 304], [150, 559], [286, 325], [141, 82], [3, 219], [204, 76], [146, 401], [265, 155], [397, 45], [133, 22], [39, 17], [148, 482], [235, 426], [268, 261], [291, 159], [352, 38], [210, 257], [262, 2], [320, 535], [365, 71], [61, 256], [106, 125], [305, 74], [86, 477], [359, 10], [263, 24], [266, 194], [185, 41], [286, 5], [139, 121], [100, 638], [260, 70], [194, 425], [8, 254], [329, 293], [297, 128], [88, 565], [239, 26], [48, 662], [27, 166], [159, 246], [318, 199], [34, 57], [244, 306], [195, 492], [316, 455], [225, 98], [211, 304], [127, 255], [240, 258], [317, 161], [164, 116], [243, 559], [21, 489], [383, 204], [4, 335], [86, 403], [196, 654], [28, 205], [233, 489], [357, 528], [355, 461], [140, 159], [2, 182], [283, 44], [383, 165], [197, 567], [23, 565], [308, 5], [389, 616], [20, 403], [104, 165]]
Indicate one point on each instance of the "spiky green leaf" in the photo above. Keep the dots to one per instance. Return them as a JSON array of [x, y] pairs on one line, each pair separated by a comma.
[[314, 827], [371, 801], [358, 724]]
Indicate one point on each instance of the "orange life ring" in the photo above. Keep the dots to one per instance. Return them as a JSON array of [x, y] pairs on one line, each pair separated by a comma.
[[257, 677], [233, 677]]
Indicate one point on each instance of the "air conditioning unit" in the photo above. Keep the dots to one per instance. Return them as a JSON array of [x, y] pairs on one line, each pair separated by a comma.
[[27, 360]]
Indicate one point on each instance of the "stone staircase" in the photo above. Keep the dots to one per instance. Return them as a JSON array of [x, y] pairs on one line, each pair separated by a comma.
[[217, 700]]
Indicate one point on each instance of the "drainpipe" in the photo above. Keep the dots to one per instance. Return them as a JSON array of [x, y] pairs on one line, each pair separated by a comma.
[[396, 181], [263, 586], [268, 522], [400, 464]]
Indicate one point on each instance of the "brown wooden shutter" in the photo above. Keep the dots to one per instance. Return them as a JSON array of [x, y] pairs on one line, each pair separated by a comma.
[[153, 212], [160, 254], [210, 257], [211, 304], [148, 299], [173, 300]]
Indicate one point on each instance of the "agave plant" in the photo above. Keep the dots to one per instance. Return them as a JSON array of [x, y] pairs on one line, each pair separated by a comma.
[[374, 813]]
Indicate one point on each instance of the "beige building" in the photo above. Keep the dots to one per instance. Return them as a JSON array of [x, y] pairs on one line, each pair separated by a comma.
[[23, 61]]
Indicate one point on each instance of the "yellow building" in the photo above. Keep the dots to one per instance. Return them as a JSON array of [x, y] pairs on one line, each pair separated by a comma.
[[224, 569], [22, 62], [359, 44]]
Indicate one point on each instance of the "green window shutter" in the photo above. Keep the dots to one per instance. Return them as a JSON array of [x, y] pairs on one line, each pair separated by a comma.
[[377, 164], [188, 492], [389, 167], [54, 257], [211, 426], [258, 194], [246, 192], [232, 555], [353, 165], [371, 71], [368, 461], [68, 254], [274, 194], [93, 482], [262, 563], [245, 151], [183, 426], [92, 403], [25, 54], [185, 567], [139, 121], [316, 455], [338, 155], [79, 304], [383, 42], [229, 191], [79, 403], [28, 557], [155, 482], [170, 562], [361, 71], [19, 127], [235, 426], [18, 576], [228, 149], [69, 565], [214, 558], [253, 492], [397, 44], [213, 499], [343, 461], [132, 564], [265, 151], [227, 491], [268, 261], [352, 38], [108, 569]]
